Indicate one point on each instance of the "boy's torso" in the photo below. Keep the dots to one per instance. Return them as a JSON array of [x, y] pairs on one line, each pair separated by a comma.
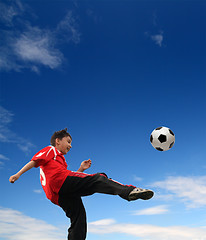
[[53, 171]]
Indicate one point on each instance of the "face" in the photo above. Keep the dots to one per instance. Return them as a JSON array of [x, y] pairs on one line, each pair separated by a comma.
[[64, 144]]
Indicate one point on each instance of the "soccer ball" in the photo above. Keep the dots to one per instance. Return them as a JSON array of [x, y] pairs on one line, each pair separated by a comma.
[[162, 138]]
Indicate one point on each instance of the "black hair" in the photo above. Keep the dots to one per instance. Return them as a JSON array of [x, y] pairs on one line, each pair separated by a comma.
[[59, 134]]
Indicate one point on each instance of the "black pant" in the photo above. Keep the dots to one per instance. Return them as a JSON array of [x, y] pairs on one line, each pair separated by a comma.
[[80, 185]]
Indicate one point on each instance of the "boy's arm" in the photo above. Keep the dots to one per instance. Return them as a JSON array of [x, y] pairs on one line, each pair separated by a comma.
[[27, 167], [84, 165]]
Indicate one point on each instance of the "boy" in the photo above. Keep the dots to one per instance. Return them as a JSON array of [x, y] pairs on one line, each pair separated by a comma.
[[65, 188]]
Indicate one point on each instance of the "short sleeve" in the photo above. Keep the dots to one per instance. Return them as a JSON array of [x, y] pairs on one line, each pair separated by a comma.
[[43, 156]]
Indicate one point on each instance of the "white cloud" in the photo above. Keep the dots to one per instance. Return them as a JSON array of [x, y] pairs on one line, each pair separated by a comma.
[[8, 136], [35, 46], [164, 197], [68, 28], [158, 39], [138, 179], [103, 222], [191, 190], [24, 145], [8, 12], [161, 209], [157, 35], [5, 116], [148, 232], [2, 157], [24, 45], [14, 225], [38, 191]]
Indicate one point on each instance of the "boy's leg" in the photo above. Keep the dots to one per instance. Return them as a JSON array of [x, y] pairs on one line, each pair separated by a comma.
[[100, 183], [128, 192], [80, 184], [75, 210]]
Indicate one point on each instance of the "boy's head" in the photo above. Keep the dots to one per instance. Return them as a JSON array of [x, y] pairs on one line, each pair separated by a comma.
[[61, 140]]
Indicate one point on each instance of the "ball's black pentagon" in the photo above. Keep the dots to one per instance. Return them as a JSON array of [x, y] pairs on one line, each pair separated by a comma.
[[158, 128], [162, 138], [171, 144], [151, 138], [159, 149], [171, 132]]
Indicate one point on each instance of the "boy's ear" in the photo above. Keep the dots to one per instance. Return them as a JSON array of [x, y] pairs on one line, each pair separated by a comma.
[[57, 141]]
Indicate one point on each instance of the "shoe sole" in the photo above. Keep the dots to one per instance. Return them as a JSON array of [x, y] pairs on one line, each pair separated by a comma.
[[144, 195]]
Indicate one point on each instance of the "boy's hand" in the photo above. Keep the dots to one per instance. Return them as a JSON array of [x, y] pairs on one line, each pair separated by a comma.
[[85, 165], [13, 178]]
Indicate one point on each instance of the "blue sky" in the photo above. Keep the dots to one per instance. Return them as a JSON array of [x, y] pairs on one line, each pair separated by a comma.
[[110, 71]]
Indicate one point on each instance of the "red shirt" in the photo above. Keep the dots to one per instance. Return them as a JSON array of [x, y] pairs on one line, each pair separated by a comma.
[[53, 171]]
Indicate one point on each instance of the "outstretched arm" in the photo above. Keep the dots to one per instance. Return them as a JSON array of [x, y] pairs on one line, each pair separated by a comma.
[[85, 165], [27, 167]]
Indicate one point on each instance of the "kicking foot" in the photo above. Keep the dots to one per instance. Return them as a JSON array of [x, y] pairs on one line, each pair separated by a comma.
[[139, 193]]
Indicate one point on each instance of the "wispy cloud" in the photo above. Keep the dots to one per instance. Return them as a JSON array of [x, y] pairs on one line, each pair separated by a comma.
[[156, 35], [35, 46], [38, 191], [156, 38], [8, 136], [6, 118], [2, 159], [190, 190], [67, 28], [137, 179], [10, 11], [103, 222], [161, 209], [144, 231], [24, 45], [14, 225]]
